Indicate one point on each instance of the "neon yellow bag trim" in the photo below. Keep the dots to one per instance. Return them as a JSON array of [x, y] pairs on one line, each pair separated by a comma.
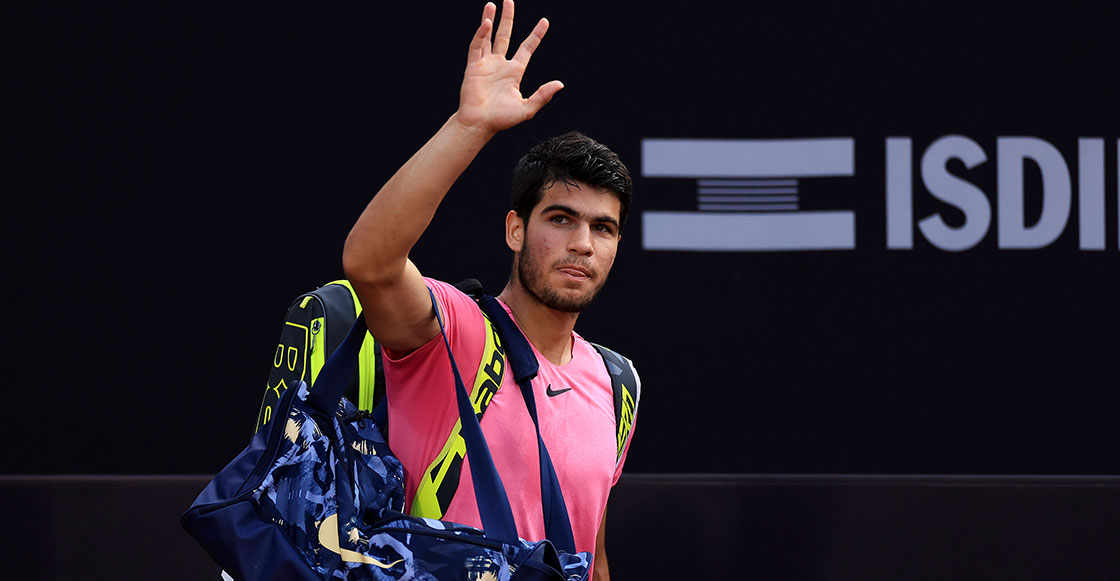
[[367, 361], [625, 421], [434, 494]]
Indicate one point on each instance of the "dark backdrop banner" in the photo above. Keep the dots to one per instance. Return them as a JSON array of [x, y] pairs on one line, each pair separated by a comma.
[[864, 240]]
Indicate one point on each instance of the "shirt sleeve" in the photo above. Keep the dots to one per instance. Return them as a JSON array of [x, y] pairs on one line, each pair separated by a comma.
[[461, 321]]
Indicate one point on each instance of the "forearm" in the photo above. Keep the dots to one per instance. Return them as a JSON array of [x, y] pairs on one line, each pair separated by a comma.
[[392, 292], [600, 570], [378, 245]]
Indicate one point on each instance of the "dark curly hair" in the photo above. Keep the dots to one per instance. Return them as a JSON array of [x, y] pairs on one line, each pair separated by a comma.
[[571, 157]]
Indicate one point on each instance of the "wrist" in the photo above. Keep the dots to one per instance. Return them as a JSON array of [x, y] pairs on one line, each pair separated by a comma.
[[471, 133]]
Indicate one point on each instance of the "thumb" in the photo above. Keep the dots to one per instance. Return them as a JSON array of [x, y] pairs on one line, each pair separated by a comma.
[[543, 95]]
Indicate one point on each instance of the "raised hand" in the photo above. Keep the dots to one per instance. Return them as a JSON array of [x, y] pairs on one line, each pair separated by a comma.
[[490, 98]]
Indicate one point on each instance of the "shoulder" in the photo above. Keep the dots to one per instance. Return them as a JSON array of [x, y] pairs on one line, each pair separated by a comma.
[[454, 305], [623, 375], [460, 319], [446, 293], [626, 388], [610, 357], [616, 368]]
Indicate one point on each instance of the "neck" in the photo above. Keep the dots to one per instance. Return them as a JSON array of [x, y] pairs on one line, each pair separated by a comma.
[[549, 330]]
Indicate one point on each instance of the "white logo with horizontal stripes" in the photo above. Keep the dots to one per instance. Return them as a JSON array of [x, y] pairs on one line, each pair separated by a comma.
[[747, 194]]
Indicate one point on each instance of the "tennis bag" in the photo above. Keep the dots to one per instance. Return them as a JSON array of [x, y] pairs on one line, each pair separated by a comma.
[[317, 494], [314, 326]]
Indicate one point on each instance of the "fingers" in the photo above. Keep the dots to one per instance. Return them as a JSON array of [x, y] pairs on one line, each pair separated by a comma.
[[488, 11], [505, 29], [480, 44], [525, 51], [543, 95]]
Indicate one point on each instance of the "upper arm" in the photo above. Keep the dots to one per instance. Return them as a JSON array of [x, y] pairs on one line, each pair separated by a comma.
[[398, 310]]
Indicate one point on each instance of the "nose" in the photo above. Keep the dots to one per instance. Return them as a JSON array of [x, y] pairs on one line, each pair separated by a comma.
[[580, 241]]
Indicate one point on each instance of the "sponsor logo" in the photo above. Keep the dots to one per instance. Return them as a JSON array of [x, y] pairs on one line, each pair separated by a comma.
[[328, 538], [747, 194], [626, 418], [553, 393], [1014, 157]]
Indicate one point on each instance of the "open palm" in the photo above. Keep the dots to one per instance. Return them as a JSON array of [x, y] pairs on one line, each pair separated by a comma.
[[490, 98]]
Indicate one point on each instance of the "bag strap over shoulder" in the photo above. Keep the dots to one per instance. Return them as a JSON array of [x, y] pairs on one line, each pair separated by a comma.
[[440, 480], [523, 363], [493, 504], [627, 387]]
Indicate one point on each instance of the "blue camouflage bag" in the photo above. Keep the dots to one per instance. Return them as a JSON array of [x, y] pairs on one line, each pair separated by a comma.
[[317, 494]]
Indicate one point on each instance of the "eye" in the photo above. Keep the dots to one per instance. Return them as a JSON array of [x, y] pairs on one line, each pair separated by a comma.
[[603, 228], [559, 219]]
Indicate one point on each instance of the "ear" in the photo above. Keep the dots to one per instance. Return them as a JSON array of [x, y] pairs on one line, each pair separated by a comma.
[[515, 231]]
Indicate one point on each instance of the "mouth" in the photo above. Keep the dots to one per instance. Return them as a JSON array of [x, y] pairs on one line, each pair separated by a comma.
[[574, 272]]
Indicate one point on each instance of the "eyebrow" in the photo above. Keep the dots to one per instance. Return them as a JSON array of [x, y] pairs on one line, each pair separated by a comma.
[[575, 214]]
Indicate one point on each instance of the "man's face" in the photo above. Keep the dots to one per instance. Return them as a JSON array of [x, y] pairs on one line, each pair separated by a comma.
[[568, 245]]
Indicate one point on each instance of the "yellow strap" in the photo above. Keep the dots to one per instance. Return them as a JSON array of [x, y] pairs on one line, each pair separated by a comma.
[[626, 421], [439, 482], [367, 360]]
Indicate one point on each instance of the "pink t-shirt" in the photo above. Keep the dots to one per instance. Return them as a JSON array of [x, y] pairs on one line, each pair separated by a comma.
[[577, 423]]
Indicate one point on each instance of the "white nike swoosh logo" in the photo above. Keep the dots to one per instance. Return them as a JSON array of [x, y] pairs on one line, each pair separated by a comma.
[[328, 537]]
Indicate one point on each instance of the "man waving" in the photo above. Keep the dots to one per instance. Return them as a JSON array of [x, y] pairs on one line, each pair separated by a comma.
[[570, 199]]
